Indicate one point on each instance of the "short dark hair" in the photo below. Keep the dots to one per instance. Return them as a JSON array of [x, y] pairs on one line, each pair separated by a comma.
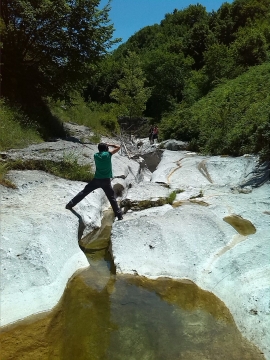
[[103, 147]]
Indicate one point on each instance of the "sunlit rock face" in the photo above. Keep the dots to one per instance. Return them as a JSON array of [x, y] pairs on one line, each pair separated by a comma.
[[144, 195], [39, 237], [123, 167], [216, 234], [183, 169], [39, 240], [39, 243]]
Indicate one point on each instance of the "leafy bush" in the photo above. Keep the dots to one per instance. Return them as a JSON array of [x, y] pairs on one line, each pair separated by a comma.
[[233, 119], [261, 141], [101, 119], [109, 123]]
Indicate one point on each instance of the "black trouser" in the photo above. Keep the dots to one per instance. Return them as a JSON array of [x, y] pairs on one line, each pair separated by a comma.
[[105, 185]]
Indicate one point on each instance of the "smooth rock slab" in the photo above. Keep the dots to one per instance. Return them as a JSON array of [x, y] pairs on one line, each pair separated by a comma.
[[144, 195], [83, 153], [195, 242], [182, 169], [39, 240]]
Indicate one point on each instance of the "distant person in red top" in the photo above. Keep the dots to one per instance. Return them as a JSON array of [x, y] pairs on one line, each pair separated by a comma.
[[150, 133], [155, 133], [102, 178]]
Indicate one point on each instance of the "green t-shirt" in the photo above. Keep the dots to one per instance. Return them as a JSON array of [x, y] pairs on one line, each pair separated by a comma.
[[103, 161]]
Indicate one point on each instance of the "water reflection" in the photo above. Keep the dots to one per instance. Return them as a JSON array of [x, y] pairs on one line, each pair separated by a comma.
[[117, 317]]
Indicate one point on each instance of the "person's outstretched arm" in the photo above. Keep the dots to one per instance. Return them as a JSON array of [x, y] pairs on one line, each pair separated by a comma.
[[115, 150]]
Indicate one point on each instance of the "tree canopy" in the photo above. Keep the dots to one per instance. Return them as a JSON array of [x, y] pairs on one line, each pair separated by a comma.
[[208, 71], [232, 119], [191, 52], [50, 46], [131, 94]]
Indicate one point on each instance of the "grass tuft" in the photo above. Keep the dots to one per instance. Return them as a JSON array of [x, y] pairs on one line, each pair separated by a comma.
[[172, 196], [68, 168], [101, 119]]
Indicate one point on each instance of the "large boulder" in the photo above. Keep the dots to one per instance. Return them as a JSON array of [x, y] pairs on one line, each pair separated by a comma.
[[173, 145]]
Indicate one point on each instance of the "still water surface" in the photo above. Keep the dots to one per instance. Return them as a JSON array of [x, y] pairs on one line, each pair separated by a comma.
[[106, 316]]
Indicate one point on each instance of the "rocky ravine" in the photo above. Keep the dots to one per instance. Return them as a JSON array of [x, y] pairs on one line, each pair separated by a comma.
[[215, 234]]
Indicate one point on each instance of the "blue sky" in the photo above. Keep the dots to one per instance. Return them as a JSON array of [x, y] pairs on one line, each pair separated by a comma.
[[129, 16]]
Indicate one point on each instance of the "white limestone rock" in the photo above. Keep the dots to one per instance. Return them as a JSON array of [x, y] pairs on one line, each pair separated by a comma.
[[153, 211], [39, 242], [174, 145], [182, 169], [39, 237], [83, 153], [125, 168], [144, 195], [229, 258]]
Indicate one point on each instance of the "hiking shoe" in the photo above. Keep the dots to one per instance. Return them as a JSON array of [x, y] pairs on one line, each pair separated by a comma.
[[69, 206], [120, 217]]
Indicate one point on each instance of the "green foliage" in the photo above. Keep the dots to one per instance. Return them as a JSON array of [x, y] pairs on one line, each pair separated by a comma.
[[16, 129], [233, 119], [109, 123], [219, 63], [94, 139], [143, 204], [131, 95], [191, 52], [171, 197], [260, 141], [50, 46], [168, 73], [101, 119], [196, 86], [69, 168], [104, 79], [250, 47]]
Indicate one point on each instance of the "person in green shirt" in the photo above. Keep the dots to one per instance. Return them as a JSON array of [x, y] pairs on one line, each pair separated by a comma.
[[102, 178]]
